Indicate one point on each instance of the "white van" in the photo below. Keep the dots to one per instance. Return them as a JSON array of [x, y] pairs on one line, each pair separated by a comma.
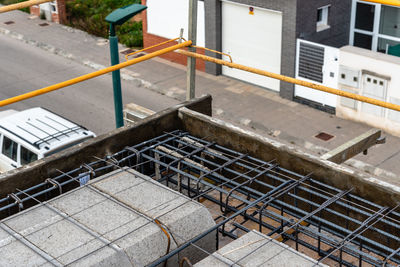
[[35, 133]]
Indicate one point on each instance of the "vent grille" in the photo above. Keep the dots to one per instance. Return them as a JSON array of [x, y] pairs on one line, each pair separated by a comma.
[[311, 61]]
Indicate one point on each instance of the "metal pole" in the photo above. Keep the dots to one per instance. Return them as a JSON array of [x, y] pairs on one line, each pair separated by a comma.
[[116, 78], [191, 61]]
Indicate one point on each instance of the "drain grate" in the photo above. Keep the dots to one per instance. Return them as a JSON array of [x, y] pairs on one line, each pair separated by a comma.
[[324, 136], [43, 24], [9, 22], [127, 51]]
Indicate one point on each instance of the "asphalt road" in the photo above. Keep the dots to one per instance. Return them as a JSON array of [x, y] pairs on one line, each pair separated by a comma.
[[24, 68]]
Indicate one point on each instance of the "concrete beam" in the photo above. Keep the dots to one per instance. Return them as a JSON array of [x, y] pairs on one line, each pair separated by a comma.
[[355, 146]]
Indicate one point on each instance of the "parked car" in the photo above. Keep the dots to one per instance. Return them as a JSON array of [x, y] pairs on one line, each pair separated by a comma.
[[32, 134]]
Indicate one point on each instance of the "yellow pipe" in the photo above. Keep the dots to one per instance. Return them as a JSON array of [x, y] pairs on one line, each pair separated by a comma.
[[22, 5], [294, 81], [385, 2], [91, 75]]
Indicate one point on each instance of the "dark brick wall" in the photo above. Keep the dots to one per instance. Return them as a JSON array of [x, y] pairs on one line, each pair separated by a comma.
[[339, 21], [213, 28], [288, 9]]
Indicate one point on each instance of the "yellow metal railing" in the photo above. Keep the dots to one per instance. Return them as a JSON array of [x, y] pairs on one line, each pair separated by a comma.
[[203, 57], [91, 75], [385, 2], [20, 5]]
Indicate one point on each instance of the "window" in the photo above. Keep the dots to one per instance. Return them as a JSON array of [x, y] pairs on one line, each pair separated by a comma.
[[27, 156], [53, 7], [365, 14], [376, 27], [10, 148], [322, 18]]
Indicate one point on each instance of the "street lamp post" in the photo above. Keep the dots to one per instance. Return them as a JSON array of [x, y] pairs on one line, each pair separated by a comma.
[[118, 17]]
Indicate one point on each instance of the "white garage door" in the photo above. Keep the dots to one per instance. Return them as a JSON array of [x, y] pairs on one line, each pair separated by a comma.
[[253, 40]]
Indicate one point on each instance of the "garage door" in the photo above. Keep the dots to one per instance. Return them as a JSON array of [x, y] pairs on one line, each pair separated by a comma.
[[252, 36]]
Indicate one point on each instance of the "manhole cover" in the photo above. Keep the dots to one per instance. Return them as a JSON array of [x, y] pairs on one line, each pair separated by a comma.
[[324, 136], [127, 51], [43, 24], [9, 22]]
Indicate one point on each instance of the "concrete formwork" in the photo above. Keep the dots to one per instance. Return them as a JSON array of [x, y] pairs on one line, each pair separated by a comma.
[[115, 220], [257, 249], [383, 192]]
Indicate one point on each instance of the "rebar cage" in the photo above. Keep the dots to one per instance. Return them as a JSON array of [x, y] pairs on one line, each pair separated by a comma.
[[245, 193]]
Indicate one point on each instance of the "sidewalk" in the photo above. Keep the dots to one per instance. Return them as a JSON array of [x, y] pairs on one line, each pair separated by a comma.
[[250, 106]]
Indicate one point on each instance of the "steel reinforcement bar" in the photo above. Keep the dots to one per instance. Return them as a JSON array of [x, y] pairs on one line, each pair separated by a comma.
[[274, 199]]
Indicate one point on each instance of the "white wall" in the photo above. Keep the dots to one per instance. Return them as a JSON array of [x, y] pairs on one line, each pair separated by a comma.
[[370, 64], [331, 65], [165, 18]]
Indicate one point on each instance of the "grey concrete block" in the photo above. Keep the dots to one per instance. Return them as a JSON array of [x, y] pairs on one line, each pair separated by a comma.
[[256, 249], [17, 254], [76, 201], [36, 219], [59, 238], [110, 222]]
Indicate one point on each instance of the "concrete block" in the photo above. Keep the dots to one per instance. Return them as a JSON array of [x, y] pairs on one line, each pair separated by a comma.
[[17, 254], [77, 201], [257, 249], [110, 222], [33, 220]]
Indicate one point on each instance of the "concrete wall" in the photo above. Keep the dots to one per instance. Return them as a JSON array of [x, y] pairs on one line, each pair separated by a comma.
[[385, 68], [339, 21], [288, 9], [36, 172]]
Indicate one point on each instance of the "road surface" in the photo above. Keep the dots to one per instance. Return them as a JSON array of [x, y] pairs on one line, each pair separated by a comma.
[[24, 68]]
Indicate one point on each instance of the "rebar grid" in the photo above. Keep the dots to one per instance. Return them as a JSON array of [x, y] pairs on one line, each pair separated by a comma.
[[285, 205]]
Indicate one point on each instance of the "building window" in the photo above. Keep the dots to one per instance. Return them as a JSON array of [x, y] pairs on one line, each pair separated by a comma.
[[376, 27], [53, 7], [322, 18]]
